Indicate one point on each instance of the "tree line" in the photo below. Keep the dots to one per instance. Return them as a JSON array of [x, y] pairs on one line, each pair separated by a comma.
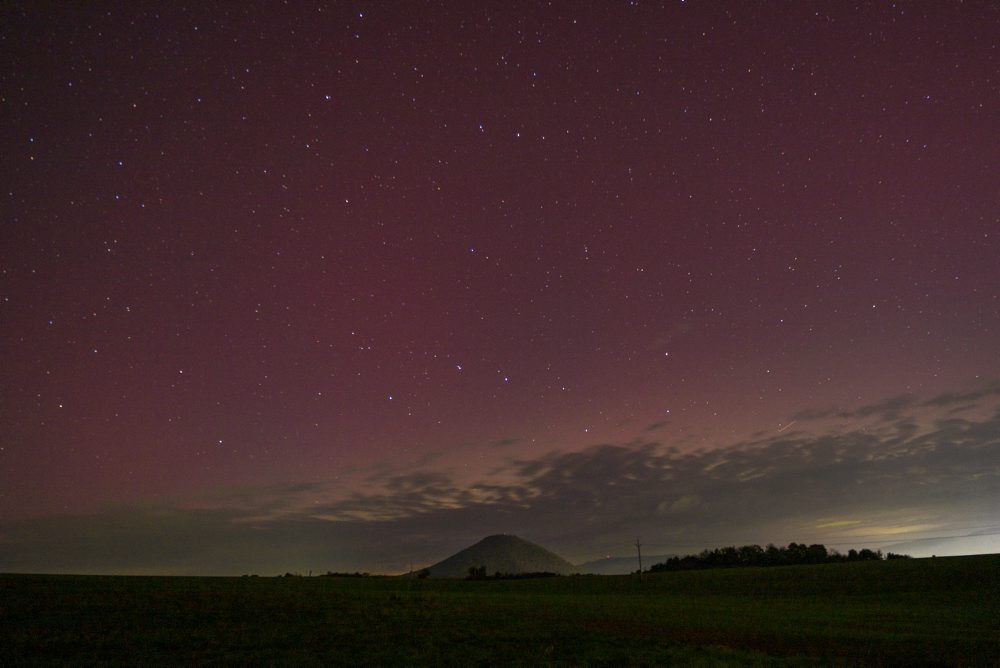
[[772, 555], [479, 573]]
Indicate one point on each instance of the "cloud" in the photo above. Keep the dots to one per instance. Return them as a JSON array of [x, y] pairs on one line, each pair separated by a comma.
[[910, 471], [893, 407], [830, 524], [887, 409], [991, 389]]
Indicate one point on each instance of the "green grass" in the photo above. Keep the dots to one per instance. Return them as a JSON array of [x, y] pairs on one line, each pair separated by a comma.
[[943, 611]]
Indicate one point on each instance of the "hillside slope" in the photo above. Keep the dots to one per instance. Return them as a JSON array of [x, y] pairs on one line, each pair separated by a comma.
[[620, 565], [504, 553]]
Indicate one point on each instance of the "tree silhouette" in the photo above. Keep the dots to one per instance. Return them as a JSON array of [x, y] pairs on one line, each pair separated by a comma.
[[755, 555]]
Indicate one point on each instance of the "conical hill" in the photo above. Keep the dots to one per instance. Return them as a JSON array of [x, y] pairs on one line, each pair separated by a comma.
[[502, 553]]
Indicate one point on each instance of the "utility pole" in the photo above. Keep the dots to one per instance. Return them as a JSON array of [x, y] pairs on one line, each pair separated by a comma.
[[638, 549]]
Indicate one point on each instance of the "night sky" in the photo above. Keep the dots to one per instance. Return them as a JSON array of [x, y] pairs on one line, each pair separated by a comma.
[[348, 286]]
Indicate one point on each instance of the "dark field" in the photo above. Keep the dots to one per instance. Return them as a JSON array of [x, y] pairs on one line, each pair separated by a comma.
[[943, 611]]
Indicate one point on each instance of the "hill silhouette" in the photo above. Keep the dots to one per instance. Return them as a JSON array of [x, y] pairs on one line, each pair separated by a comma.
[[502, 553]]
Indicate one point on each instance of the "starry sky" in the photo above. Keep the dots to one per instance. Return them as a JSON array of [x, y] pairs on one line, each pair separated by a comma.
[[350, 285]]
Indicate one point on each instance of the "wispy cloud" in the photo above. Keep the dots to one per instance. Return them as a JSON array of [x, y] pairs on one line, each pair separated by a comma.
[[901, 470]]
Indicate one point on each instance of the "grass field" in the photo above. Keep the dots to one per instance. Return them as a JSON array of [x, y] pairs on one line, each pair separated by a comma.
[[943, 611]]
